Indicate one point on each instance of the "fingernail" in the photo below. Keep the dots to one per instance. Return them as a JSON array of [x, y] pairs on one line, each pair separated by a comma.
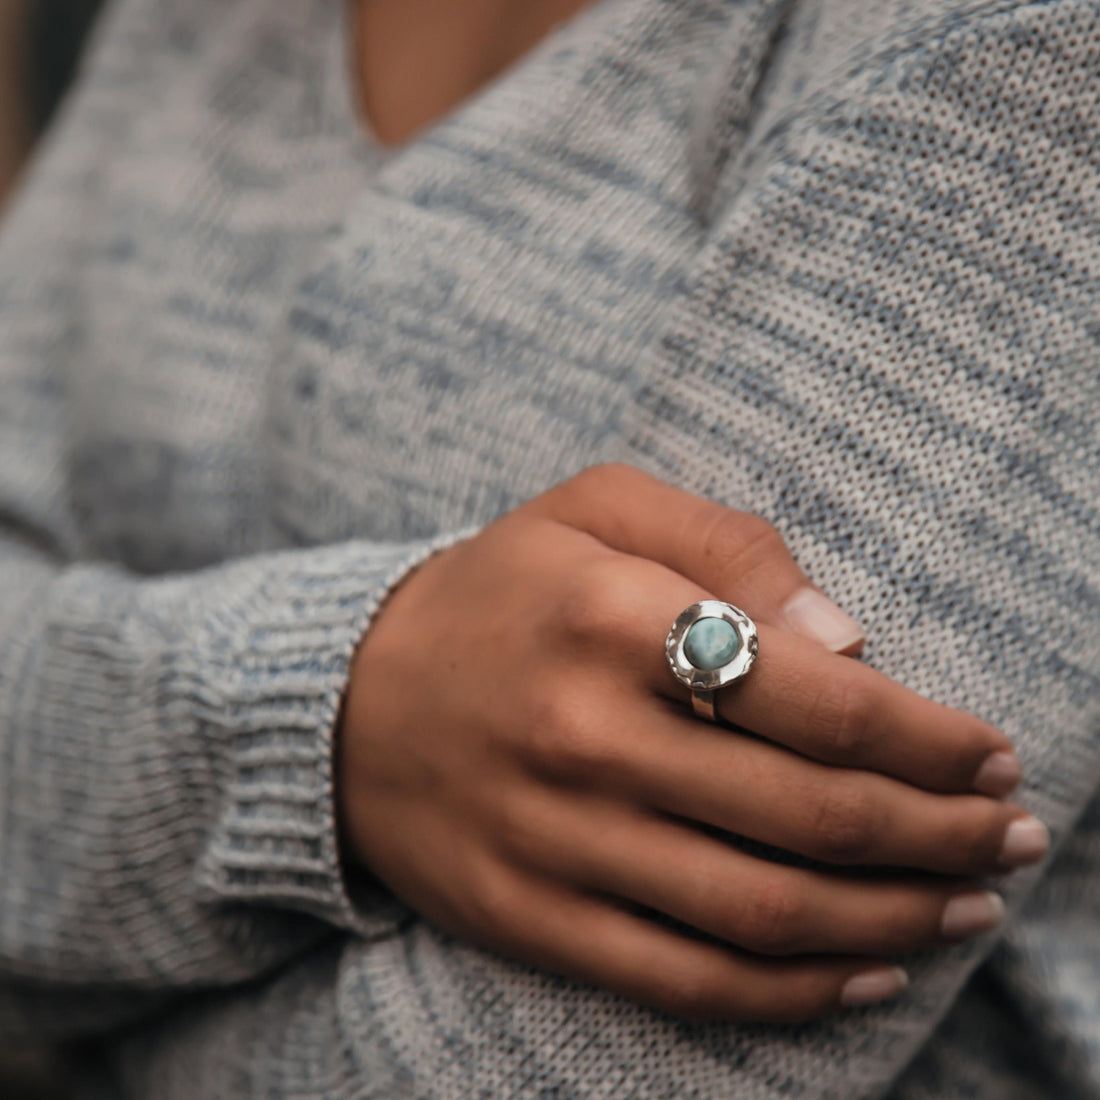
[[812, 615], [1026, 841], [999, 775], [873, 986], [970, 914]]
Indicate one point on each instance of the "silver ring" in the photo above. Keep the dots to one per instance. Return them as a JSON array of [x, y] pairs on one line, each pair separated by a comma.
[[723, 655]]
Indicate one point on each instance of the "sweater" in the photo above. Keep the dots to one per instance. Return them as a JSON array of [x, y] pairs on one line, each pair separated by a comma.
[[833, 261]]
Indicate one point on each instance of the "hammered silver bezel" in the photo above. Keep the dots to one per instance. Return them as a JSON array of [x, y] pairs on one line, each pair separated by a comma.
[[699, 679]]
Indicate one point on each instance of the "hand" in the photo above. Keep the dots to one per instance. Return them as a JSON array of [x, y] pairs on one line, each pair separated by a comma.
[[518, 764]]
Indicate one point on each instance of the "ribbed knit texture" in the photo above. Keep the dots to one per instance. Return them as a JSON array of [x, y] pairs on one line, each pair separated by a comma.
[[836, 262]]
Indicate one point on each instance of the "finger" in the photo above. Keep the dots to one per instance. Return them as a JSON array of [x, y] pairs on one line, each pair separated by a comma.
[[845, 713], [836, 815], [753, 904], [736, 556], [829, 708], [602, 737], [585, 937]]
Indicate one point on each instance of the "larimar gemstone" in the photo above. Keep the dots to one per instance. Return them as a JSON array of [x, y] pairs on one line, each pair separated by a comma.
[[711, 643]]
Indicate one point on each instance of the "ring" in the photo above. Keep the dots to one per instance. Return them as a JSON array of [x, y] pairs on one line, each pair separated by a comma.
[[710, 645]]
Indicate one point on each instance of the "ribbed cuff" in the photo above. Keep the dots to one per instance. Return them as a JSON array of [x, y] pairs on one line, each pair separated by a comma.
[[286, 640]]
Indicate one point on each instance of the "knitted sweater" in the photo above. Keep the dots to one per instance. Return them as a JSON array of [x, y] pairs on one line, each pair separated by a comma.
[[833, 261]]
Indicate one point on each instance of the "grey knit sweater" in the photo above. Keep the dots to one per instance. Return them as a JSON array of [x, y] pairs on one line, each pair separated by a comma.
[[834, 261]]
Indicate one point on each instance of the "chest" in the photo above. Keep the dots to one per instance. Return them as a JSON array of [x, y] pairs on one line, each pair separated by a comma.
[[285, 342]]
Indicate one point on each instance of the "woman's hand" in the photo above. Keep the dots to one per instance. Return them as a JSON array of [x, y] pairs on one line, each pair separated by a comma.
[[518, 764]]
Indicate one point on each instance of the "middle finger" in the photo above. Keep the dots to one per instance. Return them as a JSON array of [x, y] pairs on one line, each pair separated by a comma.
[[701, 772]]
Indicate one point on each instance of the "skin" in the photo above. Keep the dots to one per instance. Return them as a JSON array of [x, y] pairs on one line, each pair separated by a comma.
[[550, 785], [418, 59], [15, 127]]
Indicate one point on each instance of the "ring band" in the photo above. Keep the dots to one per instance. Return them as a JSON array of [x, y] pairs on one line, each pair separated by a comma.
[[711, 645]]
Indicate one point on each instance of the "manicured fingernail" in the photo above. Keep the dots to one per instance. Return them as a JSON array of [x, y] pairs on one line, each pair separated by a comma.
[[999, 775], [873, 986], [813, 616], [971, 914], [1026, 841]]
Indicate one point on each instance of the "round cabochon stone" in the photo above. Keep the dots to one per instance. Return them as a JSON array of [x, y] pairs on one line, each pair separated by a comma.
[[711, 643]]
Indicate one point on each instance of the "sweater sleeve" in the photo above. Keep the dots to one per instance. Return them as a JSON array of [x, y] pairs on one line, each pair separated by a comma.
[[166, 784]]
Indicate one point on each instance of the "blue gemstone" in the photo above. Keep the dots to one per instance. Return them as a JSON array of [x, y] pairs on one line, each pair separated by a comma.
[[711, 643]]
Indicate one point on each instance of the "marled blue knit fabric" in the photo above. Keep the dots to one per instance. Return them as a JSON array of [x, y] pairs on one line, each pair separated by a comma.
[[835, 261]]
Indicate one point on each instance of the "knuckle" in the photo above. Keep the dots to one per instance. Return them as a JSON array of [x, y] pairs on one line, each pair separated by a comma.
[[737, 543], [842, 717], [772, 919], [909, 924], [976, 741], [595, 491], [566, 740], [846, 823], [974, 837], [487, 901], [604, 480], [519, 830], [601, 605], [689, 994], [802, 1002]]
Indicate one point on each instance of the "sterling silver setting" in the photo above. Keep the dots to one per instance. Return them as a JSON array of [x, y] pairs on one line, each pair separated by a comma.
[[703, 683]]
